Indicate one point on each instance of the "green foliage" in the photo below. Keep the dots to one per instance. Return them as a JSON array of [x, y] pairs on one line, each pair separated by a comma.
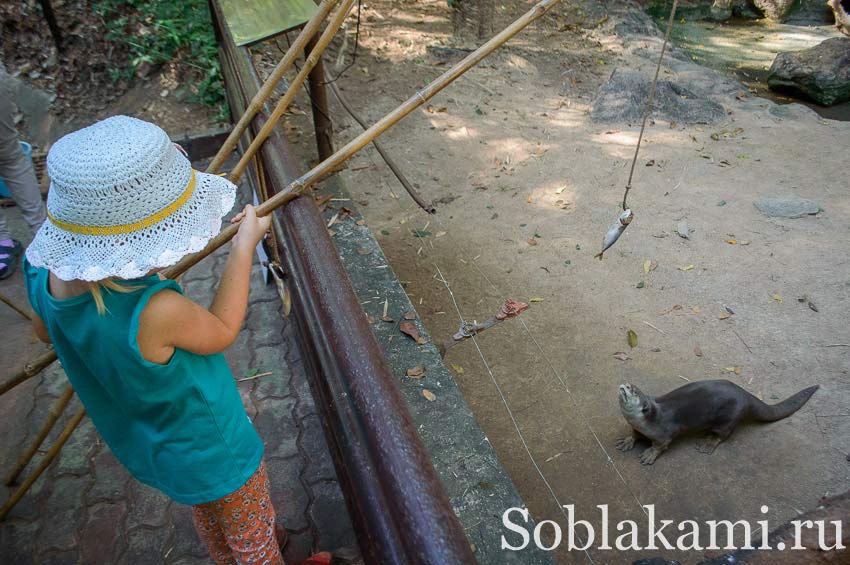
[[159, 31]]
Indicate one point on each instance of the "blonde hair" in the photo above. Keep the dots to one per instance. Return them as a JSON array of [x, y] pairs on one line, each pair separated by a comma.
[[96, 290]]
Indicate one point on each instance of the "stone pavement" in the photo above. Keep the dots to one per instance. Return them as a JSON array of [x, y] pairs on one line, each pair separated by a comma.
[[87, 509]]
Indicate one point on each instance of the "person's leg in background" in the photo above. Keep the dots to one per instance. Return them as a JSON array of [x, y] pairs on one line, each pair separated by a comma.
[[240, 527], [18, 175]]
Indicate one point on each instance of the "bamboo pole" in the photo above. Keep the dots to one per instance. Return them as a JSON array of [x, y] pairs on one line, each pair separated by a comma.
[[8, 302], [31, 369], [387, 159], [55, 411], [307, 32], [48, 458], [330, 164], [282, 104]]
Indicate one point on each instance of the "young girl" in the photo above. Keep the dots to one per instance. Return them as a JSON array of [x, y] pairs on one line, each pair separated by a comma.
[[145, 361]]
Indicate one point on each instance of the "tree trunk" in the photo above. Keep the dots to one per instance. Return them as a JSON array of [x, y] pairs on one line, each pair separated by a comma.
[[842, 17], [473, 19]]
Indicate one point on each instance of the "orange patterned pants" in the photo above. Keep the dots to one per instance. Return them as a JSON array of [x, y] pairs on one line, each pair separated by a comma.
[[239, 528]]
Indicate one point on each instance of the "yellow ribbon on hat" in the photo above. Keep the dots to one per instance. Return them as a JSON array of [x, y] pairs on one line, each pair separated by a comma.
[[129, 228]]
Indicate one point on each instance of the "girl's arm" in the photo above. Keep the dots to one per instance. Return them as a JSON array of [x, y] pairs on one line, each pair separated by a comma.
[[171, 320], [40, 328]]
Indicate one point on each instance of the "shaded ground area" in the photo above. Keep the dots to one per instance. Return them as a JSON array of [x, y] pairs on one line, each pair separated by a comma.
[[748, 48], [64, 91], [525, 186], [87, 509]]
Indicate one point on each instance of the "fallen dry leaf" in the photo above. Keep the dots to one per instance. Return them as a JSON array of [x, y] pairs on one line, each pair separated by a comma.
[[736, 370], [440, 234], [695, 309], [686, 268], [535, 299], [560, 190], [725, 315], [731, 241], [697, 351], [538, 151], [631, 335], [429, 395], [416, 372], [387, 319], [410, 329], [621, 356], [528, 200], [777, 297], [457, 369], [531, 241], [410, 315], [649, 265]]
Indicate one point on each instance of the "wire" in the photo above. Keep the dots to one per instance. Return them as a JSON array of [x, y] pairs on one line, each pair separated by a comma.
[[356, 43], [508, 408]]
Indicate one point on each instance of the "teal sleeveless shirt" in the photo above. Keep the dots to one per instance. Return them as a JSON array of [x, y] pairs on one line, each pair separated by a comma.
[[179, 427]]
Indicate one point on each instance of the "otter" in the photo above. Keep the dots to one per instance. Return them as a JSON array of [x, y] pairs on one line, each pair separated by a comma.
[[717, 406]]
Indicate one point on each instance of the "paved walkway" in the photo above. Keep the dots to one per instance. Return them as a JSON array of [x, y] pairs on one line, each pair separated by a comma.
[[87, 509]]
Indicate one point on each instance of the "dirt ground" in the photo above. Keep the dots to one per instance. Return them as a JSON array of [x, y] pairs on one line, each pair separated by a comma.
[[526, 186]]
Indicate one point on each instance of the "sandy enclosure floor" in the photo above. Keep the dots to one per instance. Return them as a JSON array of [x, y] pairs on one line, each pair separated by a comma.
[[526, 186]]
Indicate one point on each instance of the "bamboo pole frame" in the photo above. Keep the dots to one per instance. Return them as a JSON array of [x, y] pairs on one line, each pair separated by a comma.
[[48, 458], [30, 370], [55, 411], [8, 302], [307, 32], [283, 104], [330, 164]]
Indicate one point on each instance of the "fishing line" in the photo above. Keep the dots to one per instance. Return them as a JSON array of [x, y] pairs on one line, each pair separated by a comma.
[[560, 379], [445, 283], [508, 408], [581, 415], [648, 109]]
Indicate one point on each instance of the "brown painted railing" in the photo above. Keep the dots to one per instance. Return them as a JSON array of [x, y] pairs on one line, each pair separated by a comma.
[[400, 512]]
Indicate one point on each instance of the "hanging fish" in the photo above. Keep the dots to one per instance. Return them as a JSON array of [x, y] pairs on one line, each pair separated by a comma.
[[616, 230]]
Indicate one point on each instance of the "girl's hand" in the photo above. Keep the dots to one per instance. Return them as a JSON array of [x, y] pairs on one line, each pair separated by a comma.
[[252, 229]]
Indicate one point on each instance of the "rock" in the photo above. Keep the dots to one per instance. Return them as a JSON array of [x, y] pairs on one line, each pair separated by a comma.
[[776, 10], [821, 73], [623, 99], [634, 22], [786, 206]]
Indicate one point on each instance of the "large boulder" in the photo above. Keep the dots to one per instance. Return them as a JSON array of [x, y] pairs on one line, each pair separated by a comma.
[[776, 10], [623, 99], [821, 73]]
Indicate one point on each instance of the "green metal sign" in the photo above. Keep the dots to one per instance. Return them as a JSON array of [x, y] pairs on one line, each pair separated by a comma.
[[251, 21]]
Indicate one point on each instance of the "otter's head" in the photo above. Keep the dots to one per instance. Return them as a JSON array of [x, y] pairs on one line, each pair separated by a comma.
[[635, 403]]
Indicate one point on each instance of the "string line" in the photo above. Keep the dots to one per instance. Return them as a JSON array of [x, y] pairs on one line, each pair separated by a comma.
[[648, 109]]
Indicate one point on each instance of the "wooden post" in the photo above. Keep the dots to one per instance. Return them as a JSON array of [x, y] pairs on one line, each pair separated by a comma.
[[319, 101]]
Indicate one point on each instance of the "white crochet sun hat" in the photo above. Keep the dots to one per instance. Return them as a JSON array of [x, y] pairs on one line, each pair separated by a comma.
[[123, 201]]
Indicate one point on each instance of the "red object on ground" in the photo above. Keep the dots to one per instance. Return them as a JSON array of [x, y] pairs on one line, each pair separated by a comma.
[[321, 558]]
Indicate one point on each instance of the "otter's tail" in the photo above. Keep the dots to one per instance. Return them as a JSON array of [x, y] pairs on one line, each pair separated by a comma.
[[770, 413]]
